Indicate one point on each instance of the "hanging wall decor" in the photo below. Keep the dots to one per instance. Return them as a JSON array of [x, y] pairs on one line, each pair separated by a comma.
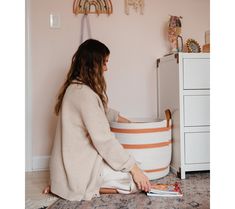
[[136, 4], [92, 7]]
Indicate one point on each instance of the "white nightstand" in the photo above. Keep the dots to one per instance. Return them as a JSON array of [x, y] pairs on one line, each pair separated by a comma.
[[183, 81]]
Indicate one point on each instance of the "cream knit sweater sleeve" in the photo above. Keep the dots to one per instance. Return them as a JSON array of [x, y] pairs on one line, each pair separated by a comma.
[[92, 113], [112, 115]]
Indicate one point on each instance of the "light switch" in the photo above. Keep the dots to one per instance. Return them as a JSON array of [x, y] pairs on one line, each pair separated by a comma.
[[54, 20]]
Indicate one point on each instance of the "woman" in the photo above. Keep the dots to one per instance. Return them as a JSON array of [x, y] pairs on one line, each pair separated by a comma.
[[86, 158]]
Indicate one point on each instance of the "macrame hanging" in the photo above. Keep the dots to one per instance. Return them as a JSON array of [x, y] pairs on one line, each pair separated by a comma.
[[92, 7], [136, 4]]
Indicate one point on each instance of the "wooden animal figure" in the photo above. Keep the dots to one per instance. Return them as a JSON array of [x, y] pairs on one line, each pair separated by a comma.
[[136, 4]]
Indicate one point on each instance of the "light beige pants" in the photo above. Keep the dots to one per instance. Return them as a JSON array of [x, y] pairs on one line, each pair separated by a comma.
[[121, 181]]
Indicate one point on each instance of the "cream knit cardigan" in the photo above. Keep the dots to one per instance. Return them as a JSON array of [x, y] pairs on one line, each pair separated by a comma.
[[83, 143]]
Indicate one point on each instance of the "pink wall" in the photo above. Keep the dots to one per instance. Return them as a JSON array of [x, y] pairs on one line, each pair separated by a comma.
[[135, 42]]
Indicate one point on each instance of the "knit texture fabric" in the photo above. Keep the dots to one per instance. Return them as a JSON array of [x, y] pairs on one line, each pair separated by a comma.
[[83, 144]]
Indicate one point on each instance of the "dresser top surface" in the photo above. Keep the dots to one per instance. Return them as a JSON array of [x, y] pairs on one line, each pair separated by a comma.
[[183, 55]]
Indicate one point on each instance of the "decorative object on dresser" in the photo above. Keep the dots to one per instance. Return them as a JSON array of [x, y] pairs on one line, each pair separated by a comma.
[[137, 4], [174, 31], [207, 37], [184, 87], [193, 46], [206, 46]]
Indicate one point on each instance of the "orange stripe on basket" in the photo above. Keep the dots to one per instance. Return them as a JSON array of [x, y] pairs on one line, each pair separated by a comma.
[[146, 146], [156, 170], [140, 131]]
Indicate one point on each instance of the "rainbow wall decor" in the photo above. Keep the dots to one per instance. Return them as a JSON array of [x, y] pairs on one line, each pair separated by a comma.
[[92, 7]]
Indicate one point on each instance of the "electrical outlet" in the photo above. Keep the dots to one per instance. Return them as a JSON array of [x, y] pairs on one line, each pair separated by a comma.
[[54, 20]]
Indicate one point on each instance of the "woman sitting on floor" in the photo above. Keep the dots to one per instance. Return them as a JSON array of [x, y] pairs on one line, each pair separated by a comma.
[[86, 159]]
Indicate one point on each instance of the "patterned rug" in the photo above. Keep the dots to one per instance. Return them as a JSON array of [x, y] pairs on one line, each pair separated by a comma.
[[41, 203], [196, 194]]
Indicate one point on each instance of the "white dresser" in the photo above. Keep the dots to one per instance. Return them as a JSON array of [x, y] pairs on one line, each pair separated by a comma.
[[183, 81]]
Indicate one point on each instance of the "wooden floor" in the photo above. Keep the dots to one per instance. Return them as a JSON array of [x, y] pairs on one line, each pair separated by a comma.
[[35, 182]]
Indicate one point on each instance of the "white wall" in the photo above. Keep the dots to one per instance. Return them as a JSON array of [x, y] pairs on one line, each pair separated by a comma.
[[135, 42]]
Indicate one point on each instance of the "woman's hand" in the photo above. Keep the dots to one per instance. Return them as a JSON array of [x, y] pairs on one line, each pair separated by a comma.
[[140, 179], [122, 119]]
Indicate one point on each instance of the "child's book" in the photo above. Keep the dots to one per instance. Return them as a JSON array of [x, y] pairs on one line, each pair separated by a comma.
[[165, 190]]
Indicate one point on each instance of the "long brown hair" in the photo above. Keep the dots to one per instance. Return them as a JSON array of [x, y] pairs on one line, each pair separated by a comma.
[[87, 68]]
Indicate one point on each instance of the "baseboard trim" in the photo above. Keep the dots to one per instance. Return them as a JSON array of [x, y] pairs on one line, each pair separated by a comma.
[[41, 163]]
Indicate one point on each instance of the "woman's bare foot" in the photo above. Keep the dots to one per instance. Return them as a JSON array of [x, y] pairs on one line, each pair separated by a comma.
[[47, 190]]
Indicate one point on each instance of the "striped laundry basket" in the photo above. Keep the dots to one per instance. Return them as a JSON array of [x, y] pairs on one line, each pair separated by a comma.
[[149, 142]]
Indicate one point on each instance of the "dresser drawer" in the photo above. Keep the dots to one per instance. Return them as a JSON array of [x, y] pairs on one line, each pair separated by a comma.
[[197, 110], [197, 147], [196, 73]]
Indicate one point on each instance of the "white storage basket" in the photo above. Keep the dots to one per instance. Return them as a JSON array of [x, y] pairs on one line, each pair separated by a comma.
[[149, 142]]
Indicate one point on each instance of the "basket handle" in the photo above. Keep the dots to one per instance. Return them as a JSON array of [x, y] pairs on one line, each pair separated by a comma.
[[168, 116]]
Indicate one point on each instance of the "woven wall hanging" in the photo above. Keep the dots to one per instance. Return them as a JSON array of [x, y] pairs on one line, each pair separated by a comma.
[[92, 7], [136, 4]]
